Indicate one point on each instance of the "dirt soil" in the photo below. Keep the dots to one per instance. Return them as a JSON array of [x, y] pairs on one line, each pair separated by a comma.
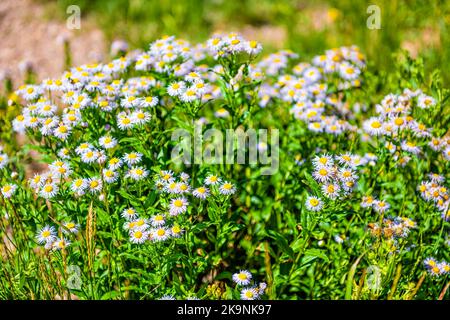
[[27, 34]]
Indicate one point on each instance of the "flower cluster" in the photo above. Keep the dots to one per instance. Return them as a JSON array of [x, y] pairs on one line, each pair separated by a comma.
[[163, 225], [380, 206], [405, 135], [392, 227], [53, 239], [307, 89], [213, 185], [154, 229], [4, 159], [433, 191], [8, 189], [336, 176], [243, 278], [436, 268]]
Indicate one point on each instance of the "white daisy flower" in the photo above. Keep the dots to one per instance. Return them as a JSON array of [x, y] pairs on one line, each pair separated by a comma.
[[227, 188], [3, 160], [140, 117], [221, 113], [138, 236], [323, 160], [176, 231], [176, 88], [380, 206], [323, 174], [160, 234], [249, 294], [89, 156], [373, 126], [331, 190], [242, 278], [166, 175], [46, 109], [48, 125], [346, 174], [82, 148], [114, 163], [313, 203], [60, 244], [167, 297], [46, 235], [101, 156], [49, 190], [184, 177], [141, 224], [425, 102], [8, 190], [252, 47], [178, 206], [189, 95], [137, 173], [124, 121], [157, 220], [132, 158], [70, 227], [130, 102], [79, 186], [107, 142], [149, 101], [37, 181], [94, 185], [411, 147], [172, 187], [435, 144], [183, 187], [110, 176], [129, 213], [19, 124], [212, 180], [64, 153], [201, 193]]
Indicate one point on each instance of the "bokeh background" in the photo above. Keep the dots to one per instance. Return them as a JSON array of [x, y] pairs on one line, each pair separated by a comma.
[[32, 30]]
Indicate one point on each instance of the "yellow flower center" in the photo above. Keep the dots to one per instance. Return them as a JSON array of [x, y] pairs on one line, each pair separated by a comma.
[[176, 229], [178, 203], [242, 276], [376, 124], [94, 184], [399, 121], [109, 173], [201, 190]]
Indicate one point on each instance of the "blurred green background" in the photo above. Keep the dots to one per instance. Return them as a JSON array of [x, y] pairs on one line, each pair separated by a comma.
[[307, 27]]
